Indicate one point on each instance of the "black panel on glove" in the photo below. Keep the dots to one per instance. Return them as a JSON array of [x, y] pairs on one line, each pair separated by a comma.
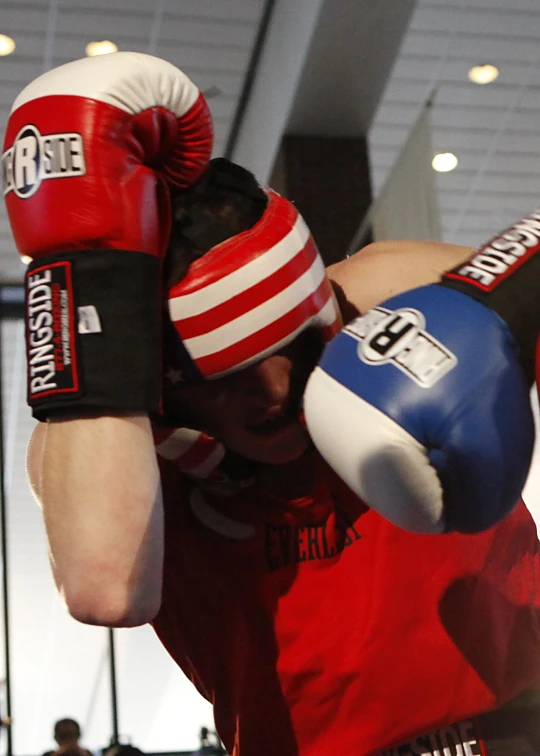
[[505, 275], [93, 333]]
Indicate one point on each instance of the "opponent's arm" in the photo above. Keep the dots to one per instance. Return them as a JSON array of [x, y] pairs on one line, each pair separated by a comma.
[[384, 269], [98, 484], [126, 128]]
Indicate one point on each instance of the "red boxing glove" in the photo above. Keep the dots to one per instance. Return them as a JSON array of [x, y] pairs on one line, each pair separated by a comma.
[[90, 151]]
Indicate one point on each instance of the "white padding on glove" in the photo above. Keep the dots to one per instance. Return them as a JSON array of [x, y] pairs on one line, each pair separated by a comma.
[[130, 81], [378, 460]]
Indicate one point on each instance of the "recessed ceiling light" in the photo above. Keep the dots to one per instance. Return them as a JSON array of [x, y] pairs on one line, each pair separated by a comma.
[[101, 48], [7, 44], [444, 162], [483, 74]]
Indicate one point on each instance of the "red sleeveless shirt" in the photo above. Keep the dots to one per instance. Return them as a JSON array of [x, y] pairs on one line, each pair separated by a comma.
[[316, 627]]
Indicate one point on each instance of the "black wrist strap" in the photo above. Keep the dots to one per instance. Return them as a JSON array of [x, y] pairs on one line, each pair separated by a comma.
[[505, 276], [93, 333]]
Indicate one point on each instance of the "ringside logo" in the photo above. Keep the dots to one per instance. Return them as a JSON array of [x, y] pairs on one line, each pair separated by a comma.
[[502, 255], [50, 332], [34, 157], [459, 739], [399, 337]]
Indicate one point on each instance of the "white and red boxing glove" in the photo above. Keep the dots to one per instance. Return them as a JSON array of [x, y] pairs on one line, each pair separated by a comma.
[[91, 149]]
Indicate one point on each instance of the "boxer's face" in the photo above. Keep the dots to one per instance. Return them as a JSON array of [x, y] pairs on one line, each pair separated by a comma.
[[255, 412]]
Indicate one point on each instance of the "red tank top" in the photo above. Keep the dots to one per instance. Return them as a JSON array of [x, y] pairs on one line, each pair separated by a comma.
[[315, 627]]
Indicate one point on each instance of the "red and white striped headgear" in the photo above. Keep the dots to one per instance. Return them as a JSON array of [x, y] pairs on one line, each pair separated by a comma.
[[253, 294], [243, 300]]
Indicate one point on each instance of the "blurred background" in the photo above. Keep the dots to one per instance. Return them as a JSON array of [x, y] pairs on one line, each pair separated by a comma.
[[387, 119]]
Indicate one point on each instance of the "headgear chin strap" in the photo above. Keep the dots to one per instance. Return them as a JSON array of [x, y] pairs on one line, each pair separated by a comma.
[[251, 295], [243, 300]]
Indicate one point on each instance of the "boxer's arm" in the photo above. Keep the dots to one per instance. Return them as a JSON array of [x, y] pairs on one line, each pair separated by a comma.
[[94, 312], [384, 269], [98, 483]]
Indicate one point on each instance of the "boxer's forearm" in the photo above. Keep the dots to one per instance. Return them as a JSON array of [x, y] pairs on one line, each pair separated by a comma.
[[384, 269], [100, 491]]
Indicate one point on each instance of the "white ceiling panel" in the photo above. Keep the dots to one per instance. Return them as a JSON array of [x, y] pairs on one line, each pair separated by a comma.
[[493, 129], [485, 203], [472, 20], [463, 95], [481, 119], [522, 143], [471, 47], [227, 10], [455, 71], [471, 161], [501, 5], [459, 182]]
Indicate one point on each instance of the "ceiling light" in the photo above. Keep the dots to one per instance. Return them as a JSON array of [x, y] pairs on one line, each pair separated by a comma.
[[483, 74], [101, 48], [7, 44], [444, 162]]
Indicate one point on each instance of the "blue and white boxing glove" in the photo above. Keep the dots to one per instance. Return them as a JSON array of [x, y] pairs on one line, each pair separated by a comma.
[[422, 404]]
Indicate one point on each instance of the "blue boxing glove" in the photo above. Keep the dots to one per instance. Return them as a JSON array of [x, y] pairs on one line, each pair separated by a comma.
[[422, 404]]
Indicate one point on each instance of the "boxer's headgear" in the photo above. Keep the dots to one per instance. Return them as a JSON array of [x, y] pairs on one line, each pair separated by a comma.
[[242, 299], [248, 296]]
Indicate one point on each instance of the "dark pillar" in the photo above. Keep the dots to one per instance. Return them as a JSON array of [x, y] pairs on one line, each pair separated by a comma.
[[328, 180]]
